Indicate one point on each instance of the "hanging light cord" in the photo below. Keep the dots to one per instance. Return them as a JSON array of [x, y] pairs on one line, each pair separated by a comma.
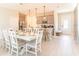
[[44, 10], [29, 12], [36, 11]]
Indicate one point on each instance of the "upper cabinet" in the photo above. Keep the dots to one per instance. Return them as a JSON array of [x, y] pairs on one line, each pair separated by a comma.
[[49, 19]]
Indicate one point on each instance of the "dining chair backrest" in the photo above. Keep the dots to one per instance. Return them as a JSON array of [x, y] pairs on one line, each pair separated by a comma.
[[39, 37], [14, 43], [1, 38], [50, 33], [28, 30], [7, 41], [6, 35], [35, 30], [36, 43], [1, 35], [25, 30], [51, 29], [31, 30], [12, 35]]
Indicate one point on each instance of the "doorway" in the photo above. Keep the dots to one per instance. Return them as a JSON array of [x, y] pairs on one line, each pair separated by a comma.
[[65, 23]]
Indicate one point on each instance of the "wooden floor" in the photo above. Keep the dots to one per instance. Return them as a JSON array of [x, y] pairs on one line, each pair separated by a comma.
[[64, 45]]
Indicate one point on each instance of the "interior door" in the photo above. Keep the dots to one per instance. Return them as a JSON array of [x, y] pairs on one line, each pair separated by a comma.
[[66, 23]]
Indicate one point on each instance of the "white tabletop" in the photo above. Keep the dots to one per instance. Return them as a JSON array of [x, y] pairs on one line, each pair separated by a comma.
[[26, 37]]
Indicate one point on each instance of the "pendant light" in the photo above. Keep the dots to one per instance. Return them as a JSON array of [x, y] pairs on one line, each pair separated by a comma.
[[36, 12], [29, 17], [44, 12], [29, 12], [44, 18]]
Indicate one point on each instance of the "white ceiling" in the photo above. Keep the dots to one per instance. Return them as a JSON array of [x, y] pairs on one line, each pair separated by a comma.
[[24, 8]]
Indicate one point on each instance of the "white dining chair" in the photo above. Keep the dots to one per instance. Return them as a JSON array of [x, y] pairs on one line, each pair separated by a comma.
[[2, 40], [34, 46], [50, 33], [7, 41], [35, 30], [17, 46]]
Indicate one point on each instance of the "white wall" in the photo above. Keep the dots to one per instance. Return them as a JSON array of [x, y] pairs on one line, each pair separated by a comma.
[[78, 18], [77, 22], [56, 21], [8, 19], [13, 20]]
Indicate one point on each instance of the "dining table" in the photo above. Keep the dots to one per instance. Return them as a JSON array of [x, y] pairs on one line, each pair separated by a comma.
[[25, 36]]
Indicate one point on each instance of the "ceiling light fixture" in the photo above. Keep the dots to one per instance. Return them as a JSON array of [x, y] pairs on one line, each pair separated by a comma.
[[44, 12], [35, 11], [29, 12], [44, 18]]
